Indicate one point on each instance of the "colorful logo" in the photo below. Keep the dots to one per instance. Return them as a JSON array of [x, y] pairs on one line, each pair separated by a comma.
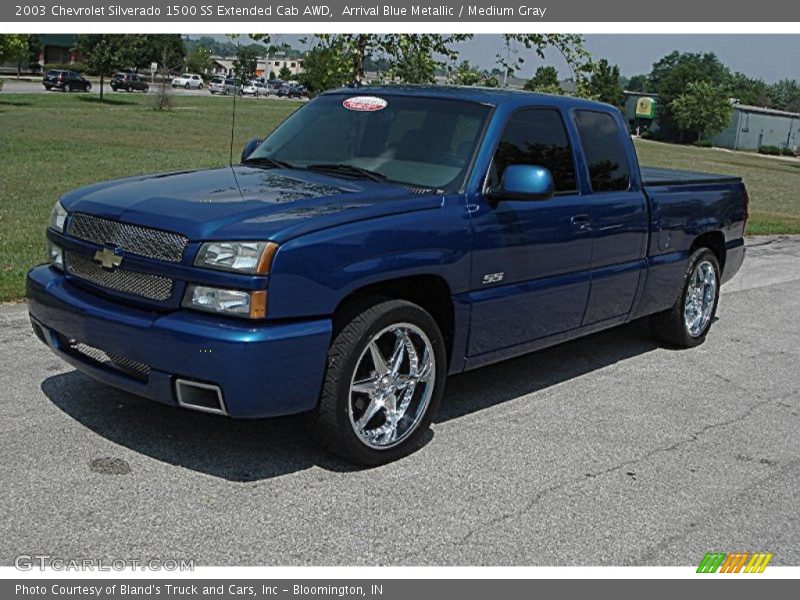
[[734, 562]]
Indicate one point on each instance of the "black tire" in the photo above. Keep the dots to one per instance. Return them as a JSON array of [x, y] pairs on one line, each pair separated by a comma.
[[88, 87], [129, 89], [67, 88], [186, 85], [330, 422], [670, 326]]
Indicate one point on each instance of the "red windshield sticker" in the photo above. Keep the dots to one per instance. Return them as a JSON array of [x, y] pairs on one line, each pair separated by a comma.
[[365, 103]]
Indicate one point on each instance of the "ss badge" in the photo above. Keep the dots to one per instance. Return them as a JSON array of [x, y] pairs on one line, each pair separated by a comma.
[[493, 278]]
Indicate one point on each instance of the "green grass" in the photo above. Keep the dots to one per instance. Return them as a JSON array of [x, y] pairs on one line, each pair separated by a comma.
[[773, 184], [52, 143]]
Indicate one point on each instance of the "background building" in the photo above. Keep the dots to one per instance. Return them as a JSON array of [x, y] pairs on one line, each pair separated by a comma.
[[752, 127]]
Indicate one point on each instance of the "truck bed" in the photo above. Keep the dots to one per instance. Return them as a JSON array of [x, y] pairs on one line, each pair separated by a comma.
[[657, 176]]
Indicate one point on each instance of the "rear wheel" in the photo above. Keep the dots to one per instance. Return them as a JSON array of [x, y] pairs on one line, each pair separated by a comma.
[[67, 88], [384, 382], [688, 322], [186, 86]]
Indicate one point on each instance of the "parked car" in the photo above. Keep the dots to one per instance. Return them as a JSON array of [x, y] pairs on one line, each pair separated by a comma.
[[377, 241], [254, 88], [217, 85], [188, 81], [291, 91], [128, 81], [66, 81]]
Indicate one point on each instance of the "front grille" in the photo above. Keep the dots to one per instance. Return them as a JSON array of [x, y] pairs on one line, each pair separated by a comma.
[[131, 368], [144, 285], [133, 239]]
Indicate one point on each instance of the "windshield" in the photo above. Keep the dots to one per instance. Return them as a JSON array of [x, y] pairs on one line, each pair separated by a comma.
[[421, 142]]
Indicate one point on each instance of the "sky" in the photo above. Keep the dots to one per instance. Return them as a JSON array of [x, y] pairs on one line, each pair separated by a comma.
[[768, 57]]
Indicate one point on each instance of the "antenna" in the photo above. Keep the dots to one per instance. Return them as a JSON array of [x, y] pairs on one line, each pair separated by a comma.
[[233, 112]]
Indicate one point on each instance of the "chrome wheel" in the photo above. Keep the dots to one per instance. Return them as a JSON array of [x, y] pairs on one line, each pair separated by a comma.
[[701, 294], [391, 386]]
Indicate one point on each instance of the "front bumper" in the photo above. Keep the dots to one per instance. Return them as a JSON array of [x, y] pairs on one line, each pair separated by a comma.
[[262, 369]]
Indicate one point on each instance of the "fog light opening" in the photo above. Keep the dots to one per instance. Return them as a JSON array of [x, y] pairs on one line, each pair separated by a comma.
[[200, 396]]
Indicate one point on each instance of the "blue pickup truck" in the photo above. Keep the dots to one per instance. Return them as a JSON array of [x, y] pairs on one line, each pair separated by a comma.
[[377, 241]]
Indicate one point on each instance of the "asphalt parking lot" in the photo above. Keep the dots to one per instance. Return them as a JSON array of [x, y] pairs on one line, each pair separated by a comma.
[[604, 451]]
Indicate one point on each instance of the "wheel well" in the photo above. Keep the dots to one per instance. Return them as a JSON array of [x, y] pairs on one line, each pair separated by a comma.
[[714, 241], [431, 292]]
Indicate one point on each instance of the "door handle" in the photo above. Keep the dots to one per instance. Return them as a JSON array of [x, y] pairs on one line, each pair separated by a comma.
[[581, 223]]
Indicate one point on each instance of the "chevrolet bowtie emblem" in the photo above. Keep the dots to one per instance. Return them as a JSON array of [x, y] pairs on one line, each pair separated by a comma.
[[107, 258]]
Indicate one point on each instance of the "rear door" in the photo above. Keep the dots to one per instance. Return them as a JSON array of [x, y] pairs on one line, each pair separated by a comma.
[[618, 215], [530, 276]]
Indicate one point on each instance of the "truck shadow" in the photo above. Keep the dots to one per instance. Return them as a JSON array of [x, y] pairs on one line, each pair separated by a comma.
[[246, 451]]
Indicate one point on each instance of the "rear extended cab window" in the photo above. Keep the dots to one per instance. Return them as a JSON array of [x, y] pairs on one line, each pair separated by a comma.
[[609, 170]]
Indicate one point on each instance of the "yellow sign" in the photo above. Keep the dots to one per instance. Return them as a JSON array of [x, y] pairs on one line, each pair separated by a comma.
[[645, 108]]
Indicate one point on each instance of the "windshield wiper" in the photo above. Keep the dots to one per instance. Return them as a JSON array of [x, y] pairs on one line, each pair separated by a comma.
[[269, 162], [351, 170]]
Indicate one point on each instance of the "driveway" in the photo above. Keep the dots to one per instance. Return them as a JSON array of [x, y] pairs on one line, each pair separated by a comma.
[[607, 450]]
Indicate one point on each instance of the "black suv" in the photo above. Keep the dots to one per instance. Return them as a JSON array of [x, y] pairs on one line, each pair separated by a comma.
[[128, 82], [66, 81]]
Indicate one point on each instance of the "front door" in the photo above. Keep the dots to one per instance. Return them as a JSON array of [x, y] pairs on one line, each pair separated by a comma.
[[530, 271]]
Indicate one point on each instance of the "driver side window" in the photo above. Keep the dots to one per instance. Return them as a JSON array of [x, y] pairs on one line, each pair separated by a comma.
[[537, 137]]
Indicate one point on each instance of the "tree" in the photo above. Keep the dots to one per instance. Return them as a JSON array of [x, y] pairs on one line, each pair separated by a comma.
[[784, 94], [638, 83], [398, 50], [466, 74], [749, 91], [103, 54], [12, 46], [285, 73], [168, 50], [703, 109], [245, 64], [323, 69], [671, 77], [199, 60], [545, 79], [604, 83], [570, 46]]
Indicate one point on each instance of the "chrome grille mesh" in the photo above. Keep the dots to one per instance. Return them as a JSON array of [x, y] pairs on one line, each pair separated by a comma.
[[132, 368], [134, 239], [147, 286]]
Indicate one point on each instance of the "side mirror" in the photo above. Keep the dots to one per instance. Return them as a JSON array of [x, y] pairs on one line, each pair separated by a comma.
[[250, 146], [524, 182]]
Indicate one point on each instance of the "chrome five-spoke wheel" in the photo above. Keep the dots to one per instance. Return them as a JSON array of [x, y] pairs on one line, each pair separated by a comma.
[[392, 385], [701, 296]]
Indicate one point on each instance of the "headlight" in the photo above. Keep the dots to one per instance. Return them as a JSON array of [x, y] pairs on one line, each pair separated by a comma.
[[240, 257], [230, 302], [56, 256], [57, 218]]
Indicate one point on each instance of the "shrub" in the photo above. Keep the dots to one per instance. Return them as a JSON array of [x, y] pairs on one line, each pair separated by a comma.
[[648, 135], [787, 151], [703, 143], [771, 150], [162, 99]]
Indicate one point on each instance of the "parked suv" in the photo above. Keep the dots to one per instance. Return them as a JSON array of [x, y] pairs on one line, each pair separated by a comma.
[[66, 81], [291, 91], [128, 82], [217, 85], [188, 81]]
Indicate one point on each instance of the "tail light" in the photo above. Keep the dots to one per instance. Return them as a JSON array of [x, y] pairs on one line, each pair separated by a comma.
[[746, 210]]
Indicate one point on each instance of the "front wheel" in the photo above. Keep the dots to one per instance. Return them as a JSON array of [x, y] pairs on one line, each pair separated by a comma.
[[687, 323], [384, 381], [67, 88]]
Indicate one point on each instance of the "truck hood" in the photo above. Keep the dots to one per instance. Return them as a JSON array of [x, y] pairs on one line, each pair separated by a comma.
[[242, 202]]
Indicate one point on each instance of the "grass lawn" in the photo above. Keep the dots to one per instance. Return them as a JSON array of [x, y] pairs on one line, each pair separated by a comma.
[[51, 143], [773, 184]]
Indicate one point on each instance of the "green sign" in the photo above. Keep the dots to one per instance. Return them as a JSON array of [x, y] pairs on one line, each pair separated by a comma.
[[645, 108]]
